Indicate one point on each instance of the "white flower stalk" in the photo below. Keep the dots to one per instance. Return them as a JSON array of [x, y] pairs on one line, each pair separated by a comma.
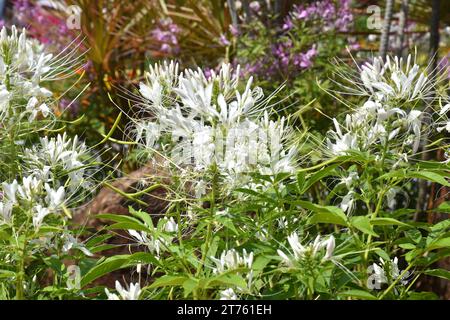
[[24, 68], [387, 125], [170, 225], [41, 197], [9, 191], [301, 252], [5, 212], [444, 125], [132, 293], [388, 272], [395, 79], [38, 216], [35, 195], [70, 242], [161, 80], [153, 244], [231, 259], [350, 180], [228, 294], [348, 202], [22, 65], [60, 156], [377, 128], [202, 123]]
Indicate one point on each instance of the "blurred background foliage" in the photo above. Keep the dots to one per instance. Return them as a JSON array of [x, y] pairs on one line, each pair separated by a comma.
[[288, 46]]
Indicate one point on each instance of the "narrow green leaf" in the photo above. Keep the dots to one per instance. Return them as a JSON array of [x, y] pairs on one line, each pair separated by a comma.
[[362, 223], [360, 294], [441, 273], [169, 281], [388, 222]]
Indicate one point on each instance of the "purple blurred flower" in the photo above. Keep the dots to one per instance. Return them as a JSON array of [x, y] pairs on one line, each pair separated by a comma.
[[255, 6], [330, 15], [73, 107], [224, 41], [444, 65], [234, 31], [288, 24], [166, 34]]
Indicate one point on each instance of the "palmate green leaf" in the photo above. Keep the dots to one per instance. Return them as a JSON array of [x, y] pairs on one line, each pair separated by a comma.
[[324, 214], [256, 194], [189, 286], [439, 244], [101, 248], [362, 223], [305, 184], [114, 263], [407, 246], [230, 279], [261, 262], [144, 216], [441, 226], [382, 254], [359, 294], [443, 207], [414, 235], [169, 281], [430, 258], [430, 176]]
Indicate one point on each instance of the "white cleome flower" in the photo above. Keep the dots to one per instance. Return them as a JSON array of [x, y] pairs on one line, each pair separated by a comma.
[[231, 259], [208, 122], [300, 252], [170, 225], [228, 294], [38, 216], [5, 212], [132, 293], [395, 79], [154, 245]]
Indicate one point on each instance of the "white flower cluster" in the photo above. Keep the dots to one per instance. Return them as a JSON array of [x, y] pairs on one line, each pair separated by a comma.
[[45, 188], [387, 272], [443, 113], [232, 260], [394, 80], [23, 65], [59, 155], [387, 126], [300, 252], [132, 293], [207, 122], [228, 294], [374, 125], [160, 238], [387, 118]]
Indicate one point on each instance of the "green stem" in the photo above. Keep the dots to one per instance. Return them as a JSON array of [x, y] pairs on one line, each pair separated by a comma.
[[373, 216], [209, 228], [20, 273]]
